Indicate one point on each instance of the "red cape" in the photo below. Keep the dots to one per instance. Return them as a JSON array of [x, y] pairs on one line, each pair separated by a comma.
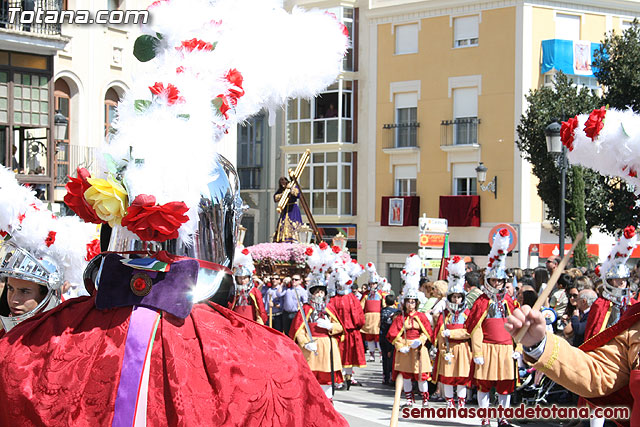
[[258, 305], [479, 309], [348, 309], [397, 327], [212, 368], [597, 315]]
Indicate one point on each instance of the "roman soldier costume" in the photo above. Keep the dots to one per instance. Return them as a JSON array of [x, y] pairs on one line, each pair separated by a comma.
[[372, 302], [247, 300], [349, 311], [491, 345], [453, 363], [154, 344], [411, 335], [318, 332], [608, 308]]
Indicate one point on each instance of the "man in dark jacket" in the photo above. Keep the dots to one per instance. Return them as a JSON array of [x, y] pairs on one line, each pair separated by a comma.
[[387, 314]]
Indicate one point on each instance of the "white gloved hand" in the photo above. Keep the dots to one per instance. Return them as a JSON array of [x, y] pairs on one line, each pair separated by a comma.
[[325, 324], [415, 343], [311, 346], [404, 350], [516, 355], [446, 333], [478, 360]]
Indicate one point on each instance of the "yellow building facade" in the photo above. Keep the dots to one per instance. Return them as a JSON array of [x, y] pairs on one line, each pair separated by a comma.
[[439, 87]]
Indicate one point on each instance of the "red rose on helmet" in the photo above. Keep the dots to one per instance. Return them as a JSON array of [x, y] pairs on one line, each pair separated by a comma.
[[349, 282], [93, 249], [195, 44], [309, 251], [567, 134], [171, 92], [629, 231], [500, 251], [323, 246], [245, 251], [75, 197], [595, 123], [235, 78], [51, 238], [504, 232], [456, 259], [369, 265], [597, 270], [155, 222], [336, 249]]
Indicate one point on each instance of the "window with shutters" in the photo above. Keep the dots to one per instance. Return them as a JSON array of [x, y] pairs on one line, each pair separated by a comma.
[[465, 31], [406, 38], [465, 116]]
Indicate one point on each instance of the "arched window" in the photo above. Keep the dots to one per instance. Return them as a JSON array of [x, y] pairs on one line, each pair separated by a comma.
[[62, 103], [110, 101]]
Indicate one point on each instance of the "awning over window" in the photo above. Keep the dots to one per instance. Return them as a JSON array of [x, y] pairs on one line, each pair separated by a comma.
[[460, 211], [572, 57]]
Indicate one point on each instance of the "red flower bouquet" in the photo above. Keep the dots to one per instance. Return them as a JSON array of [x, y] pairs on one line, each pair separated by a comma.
[[171, 92], [153, 222]]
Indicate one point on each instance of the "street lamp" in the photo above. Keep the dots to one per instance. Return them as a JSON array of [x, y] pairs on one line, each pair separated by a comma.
[[60, 123], [559, 152], [492, 186], [304, 234]]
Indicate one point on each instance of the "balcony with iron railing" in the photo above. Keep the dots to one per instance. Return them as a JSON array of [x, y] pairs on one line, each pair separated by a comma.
[[70, 157], [20, 15], [459, 133], [400, 136], [250, 177]]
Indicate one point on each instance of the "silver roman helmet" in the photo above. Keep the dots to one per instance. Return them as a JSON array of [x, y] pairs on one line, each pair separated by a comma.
[[496, 268], [40, 248]]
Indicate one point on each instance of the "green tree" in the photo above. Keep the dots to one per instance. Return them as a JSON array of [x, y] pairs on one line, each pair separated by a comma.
[[615, 66]]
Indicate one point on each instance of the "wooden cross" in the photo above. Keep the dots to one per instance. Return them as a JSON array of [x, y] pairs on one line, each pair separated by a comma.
[[294, 176]]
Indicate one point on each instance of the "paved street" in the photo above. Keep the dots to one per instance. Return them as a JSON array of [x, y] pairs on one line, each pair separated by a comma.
[[371, 404]]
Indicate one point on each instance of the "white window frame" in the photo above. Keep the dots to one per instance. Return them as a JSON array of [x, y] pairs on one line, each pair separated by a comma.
[[408, 30], [405, 174], [468, 38], [559, 34], [464, 171]]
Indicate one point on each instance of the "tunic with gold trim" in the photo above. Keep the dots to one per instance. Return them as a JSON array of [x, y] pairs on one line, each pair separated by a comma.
[[490, 340], [454, 371], [402, 332], [320, 364]]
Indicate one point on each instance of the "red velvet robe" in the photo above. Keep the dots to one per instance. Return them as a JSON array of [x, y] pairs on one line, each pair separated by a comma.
[[349, 311], [213, 368], [253, 312], [598, 316]]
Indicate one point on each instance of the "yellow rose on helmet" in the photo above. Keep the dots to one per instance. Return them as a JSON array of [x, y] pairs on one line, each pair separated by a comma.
[[108, 198]]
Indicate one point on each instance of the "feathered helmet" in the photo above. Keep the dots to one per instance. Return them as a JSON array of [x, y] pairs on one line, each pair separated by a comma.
[[243, 263], [496, 268], [341, 280], [386, 286], [615, 267], [411, 276], [37, 246], [319, 258], [373, 273], [354, 269], [456, 270], [163, 186]]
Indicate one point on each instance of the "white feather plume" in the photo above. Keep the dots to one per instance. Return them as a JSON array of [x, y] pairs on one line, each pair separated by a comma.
[[498, 253], [456, 269]]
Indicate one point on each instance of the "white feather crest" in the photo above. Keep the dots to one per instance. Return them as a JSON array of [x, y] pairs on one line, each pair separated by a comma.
[[620, 252], [242, 259], [499, 249], [411, 271], [373, 273], [456, 269], [615, 151], [354, 269], [36, 229], [168, 149]]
